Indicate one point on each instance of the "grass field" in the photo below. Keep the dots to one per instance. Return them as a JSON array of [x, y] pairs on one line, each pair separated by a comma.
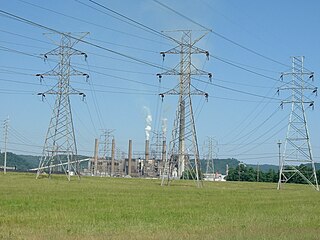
[[116, 208]]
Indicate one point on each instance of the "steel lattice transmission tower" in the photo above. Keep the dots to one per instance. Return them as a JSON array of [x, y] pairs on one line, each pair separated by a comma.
[[183, 148], [60, 150], [297, 147], [105, 139], [210, 149], [105, 149]]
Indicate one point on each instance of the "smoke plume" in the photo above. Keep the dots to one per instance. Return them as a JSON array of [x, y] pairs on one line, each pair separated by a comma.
[[164, 127], [148, 122]]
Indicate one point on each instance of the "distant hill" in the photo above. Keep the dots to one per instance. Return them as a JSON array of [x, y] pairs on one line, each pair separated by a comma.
[[23, 162], [220, 165], [20, 162], [264, 167]]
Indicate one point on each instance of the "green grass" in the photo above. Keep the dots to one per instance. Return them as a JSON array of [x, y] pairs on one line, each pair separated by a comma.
[[114, 208]]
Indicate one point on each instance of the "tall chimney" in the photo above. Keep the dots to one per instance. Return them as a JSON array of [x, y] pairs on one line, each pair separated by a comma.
[[129, 157], [146, 157], [113, 147], [96, 149], [147, 150], [164, 151]]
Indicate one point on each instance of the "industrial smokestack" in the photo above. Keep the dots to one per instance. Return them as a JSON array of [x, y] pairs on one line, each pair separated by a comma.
[[146, 156], [113, 147], [96, 149], [164, 151], [129, 157]]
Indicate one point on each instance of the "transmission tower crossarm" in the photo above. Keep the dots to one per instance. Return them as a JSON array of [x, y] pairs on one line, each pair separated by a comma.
[[58, 51], [196, 91]]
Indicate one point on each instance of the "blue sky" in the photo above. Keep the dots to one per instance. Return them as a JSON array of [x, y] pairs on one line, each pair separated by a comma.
[[120, 89]]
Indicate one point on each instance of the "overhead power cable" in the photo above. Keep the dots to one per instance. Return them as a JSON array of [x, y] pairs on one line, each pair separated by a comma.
[[155, 65], [255, 130], [19, 52], [87, 22], [26, 21], [23, 36], [210, 83], [245, 69], [141, 25], [271, 137], [219, 35], [172, 39], [235, 90]]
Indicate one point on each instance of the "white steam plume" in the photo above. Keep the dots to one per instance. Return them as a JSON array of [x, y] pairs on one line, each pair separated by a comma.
[[148, 122], [164, 127]]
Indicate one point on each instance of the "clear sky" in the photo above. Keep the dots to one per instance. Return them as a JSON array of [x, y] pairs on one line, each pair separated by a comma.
[[242, 114]]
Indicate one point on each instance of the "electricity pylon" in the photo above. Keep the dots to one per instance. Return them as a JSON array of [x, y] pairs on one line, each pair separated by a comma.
[[297, 147], [105, 149], [183, 156], [105, 139], [211, 151], [60, 150], [156, 145]]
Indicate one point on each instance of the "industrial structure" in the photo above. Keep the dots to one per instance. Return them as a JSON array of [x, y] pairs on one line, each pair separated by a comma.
[[183, 157], [297, 147], [60, 150], [209, 153], [5, 133]]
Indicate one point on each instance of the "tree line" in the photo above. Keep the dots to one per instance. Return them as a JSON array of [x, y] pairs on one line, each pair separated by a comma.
[[250, 174]]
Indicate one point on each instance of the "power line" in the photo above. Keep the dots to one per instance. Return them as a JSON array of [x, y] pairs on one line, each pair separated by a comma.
[[246, 136], [165, 36], [247, 117], [18, 52], [242, 68], [148, 63], [26, 21], [23, 20], [131, 80], [23, 36], [236, 90], [272, 136], [218, 34], [95, 103], [138, 24], [84, 21]]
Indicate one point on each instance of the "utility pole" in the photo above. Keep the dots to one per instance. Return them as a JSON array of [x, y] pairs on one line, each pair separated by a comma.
[[297, 146], [279, 147], [183, 147], [60, 143], [6, 127]]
